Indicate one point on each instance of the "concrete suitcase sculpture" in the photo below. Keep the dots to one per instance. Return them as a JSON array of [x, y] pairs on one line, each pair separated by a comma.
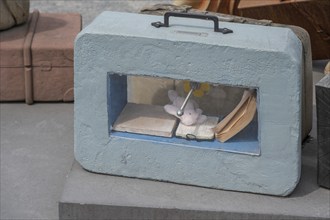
[[37, 58], [117, 45]]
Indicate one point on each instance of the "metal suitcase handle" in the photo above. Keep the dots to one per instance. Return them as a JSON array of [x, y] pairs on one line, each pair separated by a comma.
[[215, 19]]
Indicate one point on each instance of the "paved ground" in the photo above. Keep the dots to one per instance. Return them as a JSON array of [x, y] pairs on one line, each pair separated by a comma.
[[36, 155], [90, 9]]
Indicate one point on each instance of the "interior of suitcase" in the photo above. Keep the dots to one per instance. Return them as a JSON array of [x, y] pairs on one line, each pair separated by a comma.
[[245, 142]]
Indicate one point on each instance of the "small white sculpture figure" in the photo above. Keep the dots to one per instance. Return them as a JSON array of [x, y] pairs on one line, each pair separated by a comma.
[[192, 114]]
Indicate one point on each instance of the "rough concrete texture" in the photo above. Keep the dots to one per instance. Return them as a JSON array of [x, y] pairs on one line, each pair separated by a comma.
[[36, 155], [323, 130], [112, 44]]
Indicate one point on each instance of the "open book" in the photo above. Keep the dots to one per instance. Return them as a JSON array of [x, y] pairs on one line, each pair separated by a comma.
[[239, 118]]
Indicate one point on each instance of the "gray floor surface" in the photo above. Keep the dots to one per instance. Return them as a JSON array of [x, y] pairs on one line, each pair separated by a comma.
[[37, 141], [36, 155]]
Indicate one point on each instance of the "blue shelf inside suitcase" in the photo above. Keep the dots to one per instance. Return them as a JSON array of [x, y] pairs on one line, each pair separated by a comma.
[[245, 142]]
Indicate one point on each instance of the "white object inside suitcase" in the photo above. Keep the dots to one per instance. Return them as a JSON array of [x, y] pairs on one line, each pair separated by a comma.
[[148, 121]]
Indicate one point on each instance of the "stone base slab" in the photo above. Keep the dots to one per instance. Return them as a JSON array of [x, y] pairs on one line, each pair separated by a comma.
[[93, 196]]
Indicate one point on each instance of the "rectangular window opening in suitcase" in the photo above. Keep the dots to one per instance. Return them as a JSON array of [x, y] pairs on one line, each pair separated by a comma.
[[184, 113]]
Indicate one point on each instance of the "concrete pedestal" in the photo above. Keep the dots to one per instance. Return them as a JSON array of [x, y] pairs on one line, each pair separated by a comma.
[[94, 196]]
